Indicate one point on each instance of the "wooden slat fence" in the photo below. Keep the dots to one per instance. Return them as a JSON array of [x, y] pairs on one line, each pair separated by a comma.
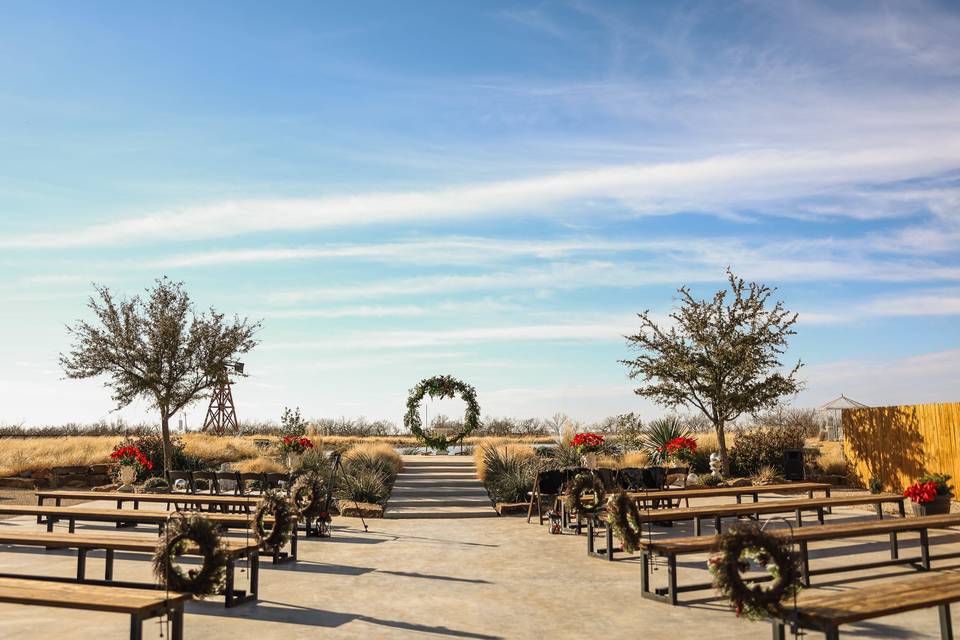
[[899, 444]]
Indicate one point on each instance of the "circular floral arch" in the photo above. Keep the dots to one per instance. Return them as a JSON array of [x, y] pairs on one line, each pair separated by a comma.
[[441, 387]]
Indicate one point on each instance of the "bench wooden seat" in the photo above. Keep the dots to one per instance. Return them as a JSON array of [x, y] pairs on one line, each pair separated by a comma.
[[139, 604], [648, 498], [826, 612], [196, 499], [671, 548], [140, 516], [236, 550]]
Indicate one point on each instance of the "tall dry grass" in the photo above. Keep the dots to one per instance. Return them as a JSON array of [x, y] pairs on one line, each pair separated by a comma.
[[219, 448], [370, 454], [260, 464], [19, 455], [507, 447]]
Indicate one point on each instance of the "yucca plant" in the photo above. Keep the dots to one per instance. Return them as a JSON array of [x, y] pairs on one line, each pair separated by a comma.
[[658, 434], [365, 486], [509, 474]]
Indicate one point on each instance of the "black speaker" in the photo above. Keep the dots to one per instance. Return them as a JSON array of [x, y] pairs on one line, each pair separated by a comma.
[[793, 464]]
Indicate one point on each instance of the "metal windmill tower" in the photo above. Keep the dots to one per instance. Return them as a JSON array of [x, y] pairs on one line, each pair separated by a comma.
[[221, 413]]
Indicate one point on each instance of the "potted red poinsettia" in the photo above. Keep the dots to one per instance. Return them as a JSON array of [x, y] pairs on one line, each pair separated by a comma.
[[293, 447], [587, 445], [930, 495], [131, 462]]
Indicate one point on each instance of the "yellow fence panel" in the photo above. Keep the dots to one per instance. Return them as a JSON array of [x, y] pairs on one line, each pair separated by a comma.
[[897, 445]]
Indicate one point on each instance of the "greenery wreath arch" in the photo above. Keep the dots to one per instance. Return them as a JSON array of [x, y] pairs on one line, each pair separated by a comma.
[[441, 387]]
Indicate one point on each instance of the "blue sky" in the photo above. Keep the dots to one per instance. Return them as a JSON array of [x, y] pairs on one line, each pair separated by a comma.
[[490, 190]]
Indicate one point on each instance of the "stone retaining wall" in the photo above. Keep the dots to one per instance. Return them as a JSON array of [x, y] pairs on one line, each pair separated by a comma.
[[61, 477]]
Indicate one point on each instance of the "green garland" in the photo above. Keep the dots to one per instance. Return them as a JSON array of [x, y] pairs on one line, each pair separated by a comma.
[[441, 387], [179, 532], [742, 544], [274, 504], [308, 495], [624, 517], [584, 482]]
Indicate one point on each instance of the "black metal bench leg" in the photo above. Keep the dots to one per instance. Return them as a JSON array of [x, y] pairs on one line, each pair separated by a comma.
[[81, 564], [644, 572], [894, 546], [799, 515], [254, 574], [946, 622], [136, 628], [108, 566], [879, 508], [176, 623], [608, 537], [804, 563], [590, 548], [39, 504], [696, 526], [925, 549], [73, 526], [831, 633], [672, 577], [718, 525]]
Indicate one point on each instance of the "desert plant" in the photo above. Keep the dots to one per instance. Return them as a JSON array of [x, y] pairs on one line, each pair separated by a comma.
[[509, 472], [292, 424], [365, 485], [260, 464], [767, 475], [659, 433], [377, 457], [634, 459], [710, 480], [757, 448], [156, 484]]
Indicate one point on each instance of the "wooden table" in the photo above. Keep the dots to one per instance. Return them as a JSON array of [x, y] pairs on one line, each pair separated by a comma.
[[83, 543], [139, 604], [644, 498]]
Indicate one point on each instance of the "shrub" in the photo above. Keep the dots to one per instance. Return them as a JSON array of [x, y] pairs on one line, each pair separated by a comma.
[[710, 480], [377, 457], [260, 464], [509, 472], [634, 459], [315, 460], [156, 484], [757, 448], [291, 423], [365, 486], [151, 445]]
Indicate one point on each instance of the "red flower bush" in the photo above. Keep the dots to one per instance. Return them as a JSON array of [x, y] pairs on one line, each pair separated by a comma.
[[295, 444], [131, 455], [587, 442], [681, 448]]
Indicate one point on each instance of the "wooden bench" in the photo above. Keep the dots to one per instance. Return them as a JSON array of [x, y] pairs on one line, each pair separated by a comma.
[[671, 548], [83, 543], [72, 515], [648, 499], [750, 510], [826, 612], [140, 605]]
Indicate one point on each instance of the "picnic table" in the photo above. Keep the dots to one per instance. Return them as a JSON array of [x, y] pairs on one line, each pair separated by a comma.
[[83, 543]]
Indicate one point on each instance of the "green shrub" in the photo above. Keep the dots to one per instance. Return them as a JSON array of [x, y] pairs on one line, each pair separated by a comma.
[[765, 447], [710, 480]]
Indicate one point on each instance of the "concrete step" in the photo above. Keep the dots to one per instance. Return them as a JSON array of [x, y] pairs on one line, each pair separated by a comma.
[[441, 502], [438, 492], [440, 462], [460, 468], [437, 513], [438, 477]]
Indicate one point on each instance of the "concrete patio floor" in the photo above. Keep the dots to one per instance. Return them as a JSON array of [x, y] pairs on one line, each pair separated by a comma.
[[474, 579]]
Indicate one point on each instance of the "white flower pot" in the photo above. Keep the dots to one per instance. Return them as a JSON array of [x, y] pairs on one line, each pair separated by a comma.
[[127, 475], [590, 460], [294, 460]]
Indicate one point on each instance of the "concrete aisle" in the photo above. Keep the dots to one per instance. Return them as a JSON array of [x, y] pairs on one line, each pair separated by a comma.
[[438, 487]]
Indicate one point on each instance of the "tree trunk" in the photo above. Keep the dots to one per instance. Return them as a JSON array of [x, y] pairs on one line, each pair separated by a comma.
[[165, 432], [722, 446]]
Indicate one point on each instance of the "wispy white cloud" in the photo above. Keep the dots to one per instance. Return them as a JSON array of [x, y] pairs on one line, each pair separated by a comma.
[[710, 184]]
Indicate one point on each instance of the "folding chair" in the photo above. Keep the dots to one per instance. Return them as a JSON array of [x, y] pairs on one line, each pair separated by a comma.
[[547, 483]]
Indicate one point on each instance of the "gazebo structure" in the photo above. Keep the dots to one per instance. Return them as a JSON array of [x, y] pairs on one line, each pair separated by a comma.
[[833, 414]]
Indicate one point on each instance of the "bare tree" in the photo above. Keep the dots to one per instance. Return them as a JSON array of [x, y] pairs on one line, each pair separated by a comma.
[[157, 348], [721, 356]]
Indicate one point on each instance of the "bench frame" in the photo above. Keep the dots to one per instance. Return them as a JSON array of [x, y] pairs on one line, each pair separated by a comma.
[[232, 596], [832, 631], [670, 593]]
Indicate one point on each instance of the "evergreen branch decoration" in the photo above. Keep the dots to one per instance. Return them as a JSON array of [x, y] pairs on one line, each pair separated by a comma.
[[182, 532], [441, 387]]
